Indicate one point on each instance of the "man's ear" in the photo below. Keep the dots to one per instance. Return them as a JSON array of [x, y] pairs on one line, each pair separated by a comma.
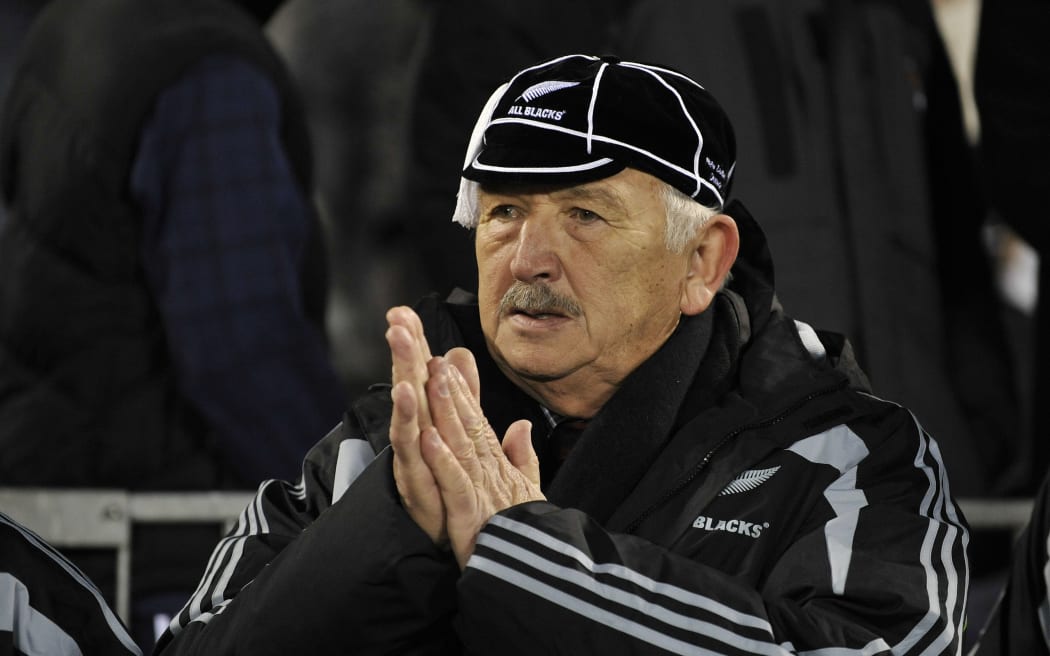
[[714, 251]]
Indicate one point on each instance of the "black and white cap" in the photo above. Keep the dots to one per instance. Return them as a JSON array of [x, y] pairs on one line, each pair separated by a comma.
[[581, 118]]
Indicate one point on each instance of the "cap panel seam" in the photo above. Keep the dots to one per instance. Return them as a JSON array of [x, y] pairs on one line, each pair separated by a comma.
[[692, 123], [668, 71], [590, 108]]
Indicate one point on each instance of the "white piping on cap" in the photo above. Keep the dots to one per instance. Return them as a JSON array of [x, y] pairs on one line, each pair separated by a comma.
[[590, 108]]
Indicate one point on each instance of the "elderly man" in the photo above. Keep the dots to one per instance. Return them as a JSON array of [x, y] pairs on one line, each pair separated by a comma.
[[683, 468]]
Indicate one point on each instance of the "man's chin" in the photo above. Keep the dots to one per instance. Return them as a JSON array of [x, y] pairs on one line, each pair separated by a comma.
[[536, 370], [535, 376], [538, 360], [529, 368]]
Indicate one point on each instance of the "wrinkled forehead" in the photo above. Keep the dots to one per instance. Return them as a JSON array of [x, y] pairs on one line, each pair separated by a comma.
[[619, 191]]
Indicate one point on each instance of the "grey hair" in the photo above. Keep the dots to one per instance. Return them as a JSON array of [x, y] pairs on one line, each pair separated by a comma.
[[685, 216]]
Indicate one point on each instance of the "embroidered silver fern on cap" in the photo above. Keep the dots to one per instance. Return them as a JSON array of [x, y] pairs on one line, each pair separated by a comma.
[[749, 480], [543, 88]]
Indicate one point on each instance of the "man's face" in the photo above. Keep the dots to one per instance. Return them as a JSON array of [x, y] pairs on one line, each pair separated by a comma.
[[576, 284]]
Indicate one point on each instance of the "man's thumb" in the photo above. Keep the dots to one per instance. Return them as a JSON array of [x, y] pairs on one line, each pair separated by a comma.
[[517, 444]]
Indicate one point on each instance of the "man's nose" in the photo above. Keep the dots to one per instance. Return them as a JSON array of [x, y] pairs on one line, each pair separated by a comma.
[[536, 254]]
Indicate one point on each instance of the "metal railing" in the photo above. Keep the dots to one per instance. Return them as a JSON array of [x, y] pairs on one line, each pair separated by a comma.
[[994, 514], [104, 518]]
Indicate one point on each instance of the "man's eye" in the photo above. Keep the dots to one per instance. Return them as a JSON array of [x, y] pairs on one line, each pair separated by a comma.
[[585, 216], [504, 212]]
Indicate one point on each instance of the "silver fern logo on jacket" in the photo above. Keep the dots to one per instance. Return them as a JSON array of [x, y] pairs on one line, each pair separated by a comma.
[[748, 481]]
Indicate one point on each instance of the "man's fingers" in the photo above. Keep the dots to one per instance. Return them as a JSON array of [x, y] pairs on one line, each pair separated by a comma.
[[407, 363], [410, 471], [475, 477], [409, 355], [476, 426], [407, 318], [401, 352], [517, 444], [412, 476], [442, 392], [404, 425], [455, 484], [463, 360]]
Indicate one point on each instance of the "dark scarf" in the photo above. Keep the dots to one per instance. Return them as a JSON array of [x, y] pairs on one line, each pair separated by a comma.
[[620, 443]]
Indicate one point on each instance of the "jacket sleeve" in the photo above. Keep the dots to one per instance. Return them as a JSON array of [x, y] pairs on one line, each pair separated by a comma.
[[47, 605], [883, 573], [303, 575]]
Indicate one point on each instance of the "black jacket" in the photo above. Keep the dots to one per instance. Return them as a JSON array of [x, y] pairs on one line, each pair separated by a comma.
[[742, 492]]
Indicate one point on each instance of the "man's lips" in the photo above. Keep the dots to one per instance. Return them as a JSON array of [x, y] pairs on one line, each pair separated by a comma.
[[541, 314], [536, 319]]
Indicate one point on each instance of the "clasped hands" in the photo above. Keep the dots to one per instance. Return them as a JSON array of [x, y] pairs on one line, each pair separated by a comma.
[[450, 469]]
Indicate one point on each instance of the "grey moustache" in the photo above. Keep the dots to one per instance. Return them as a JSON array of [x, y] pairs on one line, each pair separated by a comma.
[[537, 298]]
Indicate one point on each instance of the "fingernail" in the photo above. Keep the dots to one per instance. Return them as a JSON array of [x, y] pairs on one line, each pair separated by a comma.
[[430, 434]]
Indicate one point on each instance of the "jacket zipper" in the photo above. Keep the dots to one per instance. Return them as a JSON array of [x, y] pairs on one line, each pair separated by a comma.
[[702, 465]]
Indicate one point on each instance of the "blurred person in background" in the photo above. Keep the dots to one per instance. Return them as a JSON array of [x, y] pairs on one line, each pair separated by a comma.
[[162, 273], [355, 62], [1011, 79]]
